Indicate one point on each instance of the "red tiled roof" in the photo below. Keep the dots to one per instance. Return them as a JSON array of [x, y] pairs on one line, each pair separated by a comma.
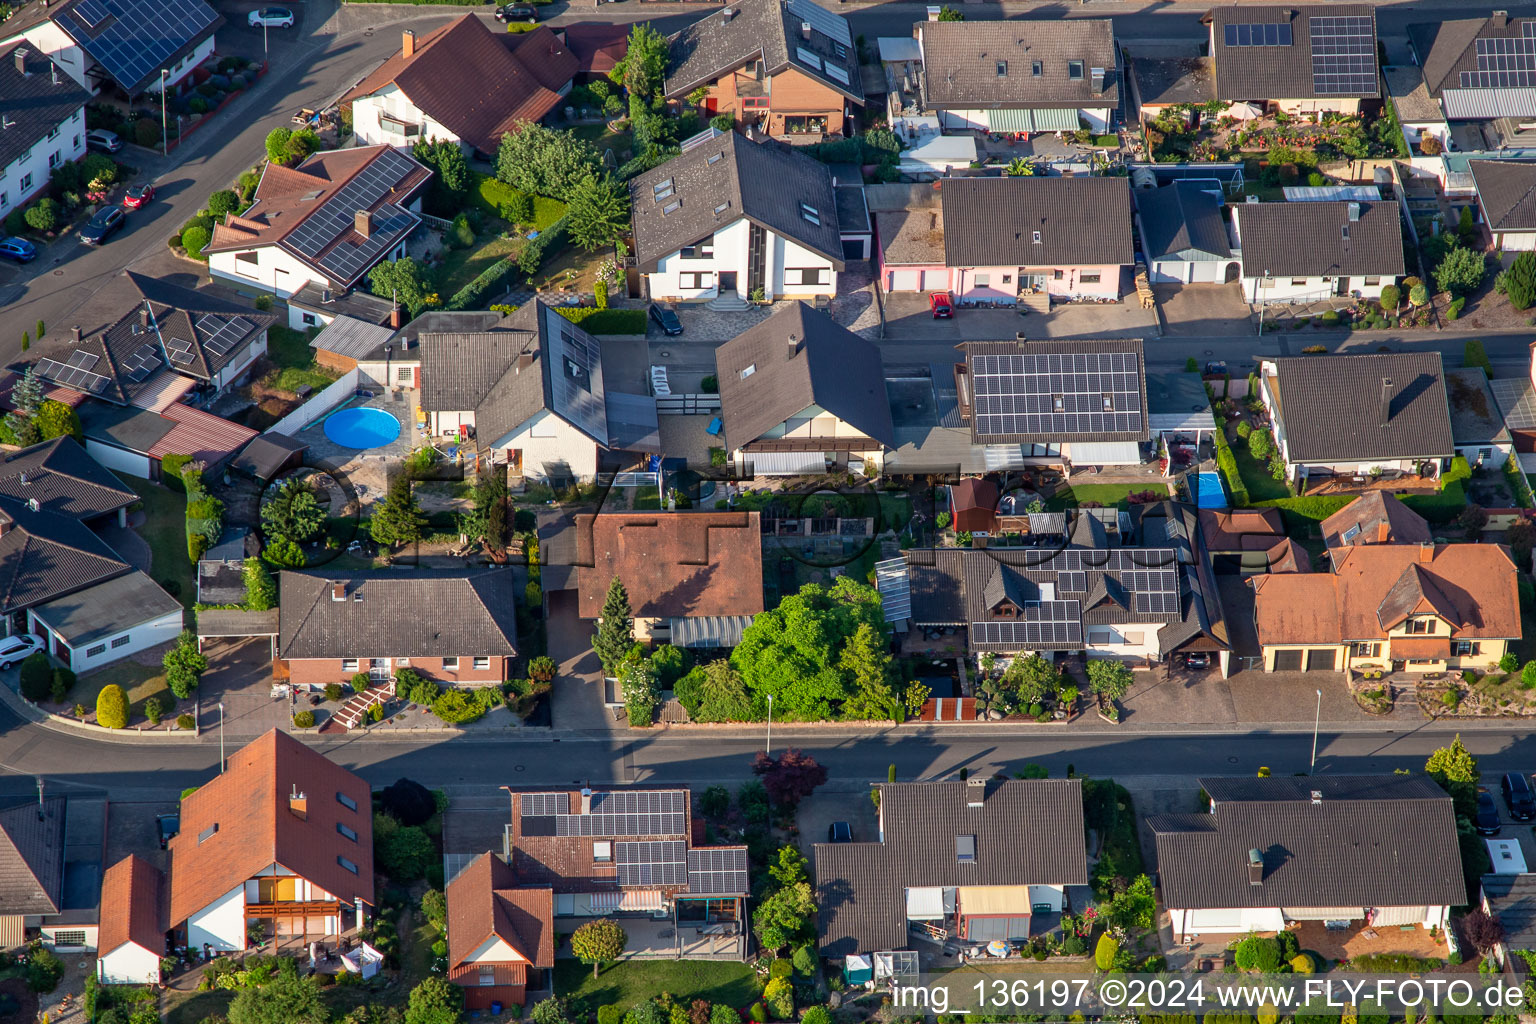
[[485, 901], [131, 906], [694, 563], [598, 46], [202, 435]]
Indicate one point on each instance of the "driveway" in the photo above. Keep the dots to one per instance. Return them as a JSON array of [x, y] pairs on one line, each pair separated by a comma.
[[578, 701], [1202, 310], [908, 317], [240, 675]]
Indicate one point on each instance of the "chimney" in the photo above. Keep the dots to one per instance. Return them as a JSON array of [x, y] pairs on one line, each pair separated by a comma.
[[338, 591], [794, 346], [24, 480], [362, 222], [407, 43], [524, 360], [975, 791], [1255, 867], [32, 504], [586, 800], [728, 14], [1354, 212], [1386, 400], [21, 61], [1317, 796], [1426, 553], [805, 30], [1499, 19], [144, 318], [933, 12], [298, 804], [325, 296], [1383, 532], [74, 333], [394, 316]]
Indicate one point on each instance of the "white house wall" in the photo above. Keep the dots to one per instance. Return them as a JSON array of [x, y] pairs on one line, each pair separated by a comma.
[[1130, 640], [273, 270], [784, 254], [1489, 456], [730, 256], [234, 370], [221, 924], [552, 447], [27, 175], [1521, 241], [119, 459], [56, 43], [1282, 289], [145, 635], [128, 964], [391, 101], [1043, 894], [182, 68]]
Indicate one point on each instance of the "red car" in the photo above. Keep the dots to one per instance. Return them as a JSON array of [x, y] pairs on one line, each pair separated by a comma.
[[941, 306], [139, 196]]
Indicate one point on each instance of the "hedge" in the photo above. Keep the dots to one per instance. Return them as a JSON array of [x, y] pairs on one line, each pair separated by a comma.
[[1226, 462], [473, 293], [605, 321], [1394, 963]]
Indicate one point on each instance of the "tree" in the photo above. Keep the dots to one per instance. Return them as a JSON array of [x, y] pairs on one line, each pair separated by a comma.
[[451, 178], [301, 143], [403, 280], [1461, 271], [222, 202], [790, 868], [1521, 538], [723, 694], [790, 777], [55, 419], [286, 999], [1136, 907], [868, 663], [435, 1001], [597, 942], [784, 916], [1260, 444], [42, 215], [1520, 280], [277, 145], [408, 801], [194, 240], [488, 519], [1482, 930], [598, 211], [291, 511], [434, 907], [1028, 680], [542, 161], [260, 587], [553, 1010], [1104, 952], [36, 676], [1109, 678], [637, 680], [948, 13], [1018, 167], [1391, 297], [643, 69], [1452, 764], [615, 630], [112, 707], [284, 553], [398, 519], [1473, 519], [403, 853], [27, 393], [184, 665]]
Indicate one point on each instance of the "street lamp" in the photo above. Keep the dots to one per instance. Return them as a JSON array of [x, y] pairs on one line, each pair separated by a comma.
[[165, 137], [221, 737], [1316, 722], [767, 745]]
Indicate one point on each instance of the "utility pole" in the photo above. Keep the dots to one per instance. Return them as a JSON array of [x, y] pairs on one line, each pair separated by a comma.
[[165, 134]]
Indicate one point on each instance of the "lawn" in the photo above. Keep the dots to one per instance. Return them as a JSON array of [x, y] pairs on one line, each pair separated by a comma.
[[289, 351], [602, 139], [193, 1007], [1256, 476], [141, 682], [461, 266], [1107, 495], [164, 528], [633, 981]]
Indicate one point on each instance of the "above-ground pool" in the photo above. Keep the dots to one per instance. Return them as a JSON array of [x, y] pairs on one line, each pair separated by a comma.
[[362, 427], [1208, 491]]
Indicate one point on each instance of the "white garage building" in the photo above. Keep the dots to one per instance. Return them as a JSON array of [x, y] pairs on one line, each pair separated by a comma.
[[1184, 238], [1367, 850]]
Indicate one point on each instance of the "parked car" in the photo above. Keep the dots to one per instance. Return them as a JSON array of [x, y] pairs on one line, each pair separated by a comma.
[[139, 196], [1487, 814], [100, 138], [169, 825], [1197, 662], [1518, 795], [667, 320], [107, 221], [270, 17], [942, 305], [839, 832], [19, 249], [15, 649], [517, 12]]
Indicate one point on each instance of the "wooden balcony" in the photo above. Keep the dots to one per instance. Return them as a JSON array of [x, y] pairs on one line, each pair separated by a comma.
[[293, 908]]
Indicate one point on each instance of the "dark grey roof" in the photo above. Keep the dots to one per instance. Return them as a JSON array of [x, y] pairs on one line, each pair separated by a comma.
[[1506, 191], [1297, 70], [1448, 49], [1026, 832], [107, 609], [719, 180], [1475, 416], [220, 581], [991, 222], [1183, 219], [1370, 841], [960, 61], [35, 103], [62, 478], [44, 555], [128, 427], [1512, 899], [770, 31], [1311, 240], [356, 339], [1013, 388], [1172, 80], [267, 455], [852, 213], [358, 304], [1330, 407], [32, 856], [394, 614], [762, 384]]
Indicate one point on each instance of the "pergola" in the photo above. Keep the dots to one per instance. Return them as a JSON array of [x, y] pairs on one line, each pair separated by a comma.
[[221, 622]]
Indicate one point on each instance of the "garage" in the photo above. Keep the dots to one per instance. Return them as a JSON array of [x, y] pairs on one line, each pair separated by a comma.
[[1321, 660], [856, 248], [1288, 661], [1204, 272], [906, 280]]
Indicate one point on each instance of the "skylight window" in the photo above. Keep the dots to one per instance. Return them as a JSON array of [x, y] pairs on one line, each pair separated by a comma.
[[662, 190], [965, 849], [750, 369], [714, 158], [810, 213], [1350, 534], [671, 207], [1075, 70], [1002, 69], [722, 208], [1036, 69]]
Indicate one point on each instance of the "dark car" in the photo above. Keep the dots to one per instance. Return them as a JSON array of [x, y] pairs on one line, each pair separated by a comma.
[[839, 832], [1487, 814], [667, 320], [19, 249], [108, 219], [1197, 662], [1517, 794], [169, 825], [517, 12]]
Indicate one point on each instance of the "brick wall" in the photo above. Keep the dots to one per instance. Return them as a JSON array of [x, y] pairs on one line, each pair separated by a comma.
[[319, 671]]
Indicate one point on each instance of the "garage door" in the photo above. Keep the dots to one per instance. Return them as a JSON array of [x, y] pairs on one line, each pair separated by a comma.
[[1205, 271], [853, 248], [1215, 921], [1321, 660], [906, 280], [1288, 661]]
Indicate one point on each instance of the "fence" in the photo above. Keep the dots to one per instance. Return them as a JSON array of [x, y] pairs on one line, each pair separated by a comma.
[[317, 406], [687, 405]]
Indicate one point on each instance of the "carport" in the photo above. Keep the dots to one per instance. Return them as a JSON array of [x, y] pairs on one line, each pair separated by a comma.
[[235, 624]]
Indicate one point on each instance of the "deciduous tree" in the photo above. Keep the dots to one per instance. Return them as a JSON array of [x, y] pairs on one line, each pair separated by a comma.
[[597, 942], [790, 777]]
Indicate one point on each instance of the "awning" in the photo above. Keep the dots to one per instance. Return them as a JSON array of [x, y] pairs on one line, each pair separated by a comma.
[[925, 904], [786, 463], [1055, 120], [994, 899], [630, 899], [234, 622], [1106, 453], [709, 630], [986, 929], [1010, 121], [1486, 104]]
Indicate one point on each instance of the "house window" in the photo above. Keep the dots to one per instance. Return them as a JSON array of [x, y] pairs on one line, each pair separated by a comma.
[[207, 833], [91, 652], [349, 664], [754, 103], [246, 264], [1075, 70], [748, 371], [1036, 69], [1421, 626], [1465, 648], [1372, 282], [807, 275], [53, 133], [1367, 650], [26, 182], [698, 279], [487, 977], [965, 849], [5, 200], [1002, 69], [404, 374], [1056, 275], [662, 190], [482, 663], [346, 864], [346, 801], [344, 830], [53, 159], [1100, 637], [70, 939], [602, 852], [1484, 453], [1092, 278], [1350, 534], [450, 664], [1007, 279], [810, 213], [701, 251], [76, 143], [1298, 282], [983, 280], [121, 641], [309, 319]]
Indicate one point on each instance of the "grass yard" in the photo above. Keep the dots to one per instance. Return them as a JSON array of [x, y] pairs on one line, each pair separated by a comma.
[[164, 529], [546, 211], [461, 266], [141, 682], [602, 139], [1261, 486], [1107, 495], [289, 351], [633, 981], [192, 1007]]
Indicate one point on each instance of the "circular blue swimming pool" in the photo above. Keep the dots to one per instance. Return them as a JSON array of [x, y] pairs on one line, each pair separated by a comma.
[[362, 427]]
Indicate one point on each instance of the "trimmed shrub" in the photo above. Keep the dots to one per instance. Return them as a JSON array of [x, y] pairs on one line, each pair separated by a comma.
[[1104, 952], [36, 677], [112, 707], [146, 131], [605, 321], [304, 720], [1255, 953], [186, 721], [194, 240]]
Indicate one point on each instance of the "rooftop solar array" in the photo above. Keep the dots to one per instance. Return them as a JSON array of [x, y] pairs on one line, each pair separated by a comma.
[[1108, 560], [72, 376], [83, 359], [1059, 623], [337, 216], [545, 804], [349, 259], [652, 863], [1057, 393], [220, 335], [720, 871], [132, 39], [180, 350], [575, 370], [1505, 63], [1072, 582], [143, 361], [639, 813], [822, 20], [1257, 35], [1343, 55], [1156, 591]]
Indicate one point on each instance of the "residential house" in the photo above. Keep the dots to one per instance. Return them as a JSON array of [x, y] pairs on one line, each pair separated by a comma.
[[63, 582], [326, 222], [730, 217], [1160, 84], [631, 854], [1303, 252], [1475, 68], [1141, 594], [131, 938], [1394, 607], [1184, 235], [1315, 59], [1510, 898], [32, 860], [1334, 852], [1055, 403], [1505, 195], [1251, 540], [694, 579], [1419, 114], [44, 118], [280, 843], [346, 343], [1477, 425], [788, 67], [1023, 76], [598, 46], [133, 441], [459, 628], [911, 247], [104, 45], [530, 389], [1376, 517], [1011, 237], [461, 83], [800, 394], [499, 933], [973, 505], [976, 861], [314, 306], [1327, 427]]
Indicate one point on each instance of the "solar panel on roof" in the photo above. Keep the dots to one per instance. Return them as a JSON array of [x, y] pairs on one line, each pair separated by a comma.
[[220, 335], [1029, 633], [822, 20], [72, 376], [141, 35], [338, 214], [652, 863], [542, 804], [1057, 393], [91, 12], [83, 359], [1504, 63], [722, 871], [1343, 55], [1276, 34]]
